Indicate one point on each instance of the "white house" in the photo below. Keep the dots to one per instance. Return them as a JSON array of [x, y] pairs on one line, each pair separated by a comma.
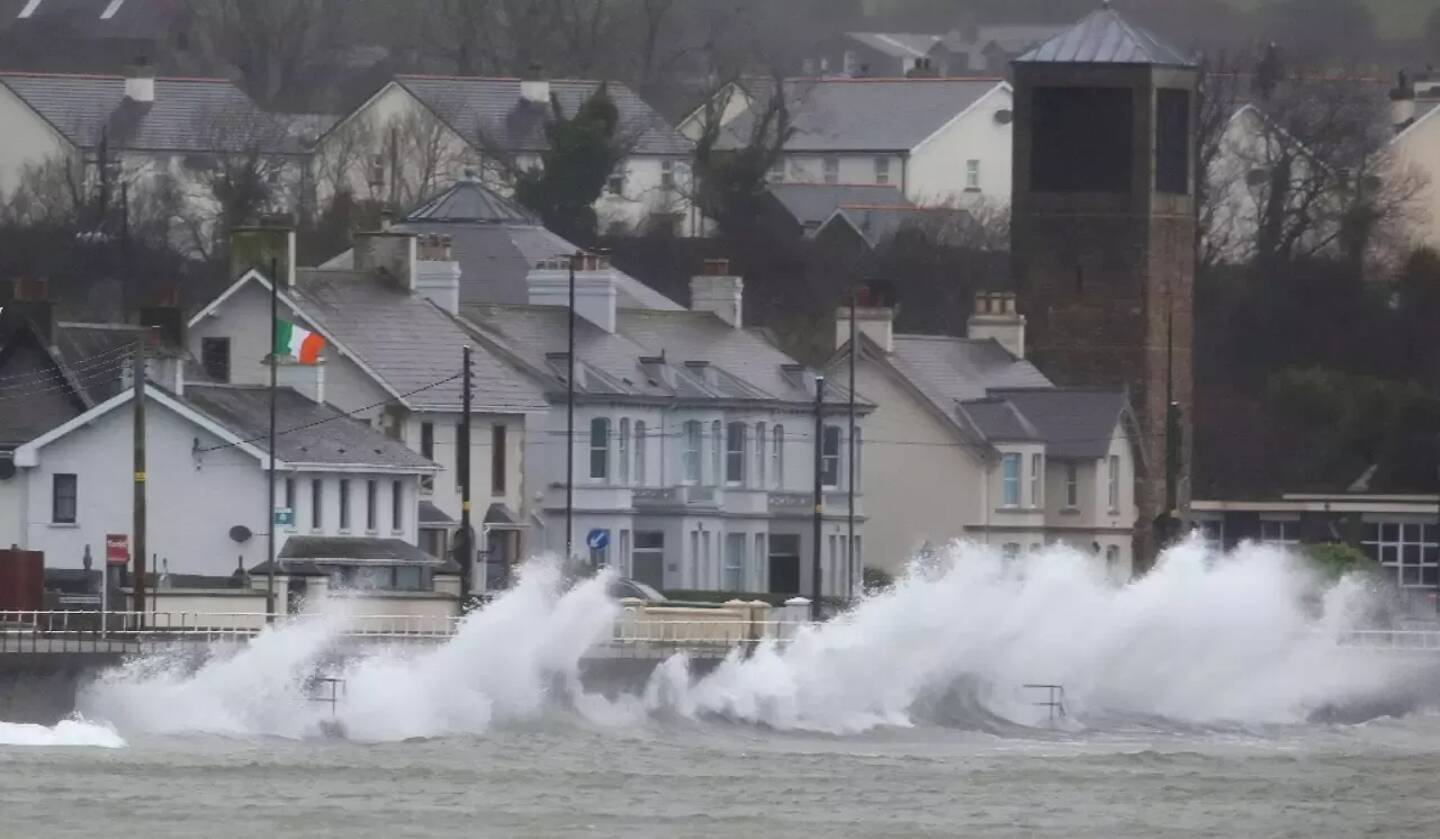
[[417, 134], [940, 141], [206, 482], [694, 441], [393, 357], [969, 440], [153, 134]]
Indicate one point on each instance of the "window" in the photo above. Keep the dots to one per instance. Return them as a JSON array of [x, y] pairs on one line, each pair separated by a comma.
[[777, 456], [615, 184], [1112, 559], [852, 63], [1011, 550], [317, 503], [759, 562], [1406, 549], [344, 503], [647, 562], [427, 451], [859, 456], [691, 456], [623, 456], [1010, 480], [1072, 485], [715, 455], [1083, 140], [1114, 483], [695, 569], [972, 175], [667, 174], [1280, 532], [290, 500], [735, 453], [1172, 141], [600, 448], [640, 452], [734, 562], [215, 357], [624, 564], [832, 170], [882, 170], [1037, 480], [498, 453], [777, 172], [759, 476], [372, 489], [64, 499], [397, 506], [830, 457], [1212, 532]]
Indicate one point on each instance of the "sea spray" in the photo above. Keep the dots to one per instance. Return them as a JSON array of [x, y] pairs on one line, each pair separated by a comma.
[[66, 733], [1246, 638]]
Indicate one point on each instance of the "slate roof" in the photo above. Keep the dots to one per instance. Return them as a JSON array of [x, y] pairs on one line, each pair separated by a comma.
[[704, 358], [497, 243], [478, 107], [188, 115], [952, 370], [865, 114], [313, 433], [897, 44], [877, 224], [409, 342], [1074, 422], [432, 515], [999, 421], [1104, 37], [812, 204]]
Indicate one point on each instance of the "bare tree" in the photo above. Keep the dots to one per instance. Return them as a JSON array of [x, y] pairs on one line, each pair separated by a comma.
[[274, 44], [250, 171]]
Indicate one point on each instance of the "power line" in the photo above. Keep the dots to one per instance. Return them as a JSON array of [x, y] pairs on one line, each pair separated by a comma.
[[76, 364]]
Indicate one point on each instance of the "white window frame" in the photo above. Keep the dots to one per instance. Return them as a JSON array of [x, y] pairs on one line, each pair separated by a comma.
[[830, 169], [758, 478], [972, 175], [735, 453], [1277, 531], [640, 443], [777, 456], [1072, 485], [1400, 545], [882, 171], [1010, 466], [693, 459], [603, 450], [830, 460], [732, 575], [1113, 478], [622, 457], [1037, 480], [717, 453]]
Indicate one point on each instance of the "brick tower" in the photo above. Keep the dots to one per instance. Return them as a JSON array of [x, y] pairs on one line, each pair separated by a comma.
[[1103, 229]]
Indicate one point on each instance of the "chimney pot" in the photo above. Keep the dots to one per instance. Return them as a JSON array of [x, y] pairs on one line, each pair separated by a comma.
[[140, 81], [995, 317]]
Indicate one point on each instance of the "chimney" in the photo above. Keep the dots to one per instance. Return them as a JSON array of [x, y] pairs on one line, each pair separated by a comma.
[[308, 380], [437, 274], [389, 253], [164, 314], [718, 292], [874, 322], [30, 299], [1402, 102], [595, 295], [257, 247], [534, 88], [140, 82], [995, 318]]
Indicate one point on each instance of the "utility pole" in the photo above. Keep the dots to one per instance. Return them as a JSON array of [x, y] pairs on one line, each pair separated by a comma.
[[270, 445], [850, 506], [815, 587], [467, 550], [139, 546], [570, 423]]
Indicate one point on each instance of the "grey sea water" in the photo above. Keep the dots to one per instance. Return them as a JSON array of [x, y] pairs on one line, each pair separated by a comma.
[[558, 776]]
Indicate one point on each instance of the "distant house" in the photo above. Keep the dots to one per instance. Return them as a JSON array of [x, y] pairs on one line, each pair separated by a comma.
[[497, 243], [987, 49], [807, 207], [1414, 103], [939, 141], [877, 54], [970, 441], [419, 133], [153, 134], [969, 50]]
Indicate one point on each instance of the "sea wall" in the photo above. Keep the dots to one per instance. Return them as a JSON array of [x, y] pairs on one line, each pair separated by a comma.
[[41, 687]]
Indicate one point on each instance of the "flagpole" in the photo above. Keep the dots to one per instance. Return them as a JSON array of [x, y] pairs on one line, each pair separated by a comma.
[[270, 526]]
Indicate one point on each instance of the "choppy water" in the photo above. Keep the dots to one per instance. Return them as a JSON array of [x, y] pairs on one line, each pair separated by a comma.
[[1194, 696]]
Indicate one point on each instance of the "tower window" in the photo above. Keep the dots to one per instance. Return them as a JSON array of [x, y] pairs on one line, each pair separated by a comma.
[[1172, 141], [1082, 139]]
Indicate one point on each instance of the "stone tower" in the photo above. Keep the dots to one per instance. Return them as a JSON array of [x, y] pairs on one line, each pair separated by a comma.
[[1104, 225]]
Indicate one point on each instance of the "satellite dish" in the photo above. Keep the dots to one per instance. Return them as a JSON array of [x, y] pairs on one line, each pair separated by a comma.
[[7, 469], [1004, 116], [240, 533]]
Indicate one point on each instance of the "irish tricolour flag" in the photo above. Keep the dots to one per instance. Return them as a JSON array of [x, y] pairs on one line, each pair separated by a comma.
[[296, 343]]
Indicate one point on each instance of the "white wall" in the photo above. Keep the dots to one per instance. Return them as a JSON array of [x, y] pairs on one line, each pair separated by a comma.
[[1417, 154], [937, 173], [28, 141], [809, 168], [446, 493], [330, 525]]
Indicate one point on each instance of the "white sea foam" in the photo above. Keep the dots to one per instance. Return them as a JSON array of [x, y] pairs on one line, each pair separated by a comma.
[[1248, 637], [65, 733]]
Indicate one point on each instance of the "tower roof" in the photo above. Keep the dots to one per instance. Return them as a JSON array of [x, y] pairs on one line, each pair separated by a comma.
[[470, 202], [1104, 37]]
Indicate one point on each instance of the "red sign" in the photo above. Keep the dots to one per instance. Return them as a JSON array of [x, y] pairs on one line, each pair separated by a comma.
[[117, 549]]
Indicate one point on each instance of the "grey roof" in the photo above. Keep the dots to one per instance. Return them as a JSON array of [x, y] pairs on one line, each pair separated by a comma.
[[898, 44], [1074, 422], [953, 370], [188, 115], [409, 342], [877, 225], [703, 357], [312, 556], [865, 114], [432, 515], [999, 421], [312, 433], [497, 244], [1010, 37], [812, 204], [491, 108], [1104, 37]]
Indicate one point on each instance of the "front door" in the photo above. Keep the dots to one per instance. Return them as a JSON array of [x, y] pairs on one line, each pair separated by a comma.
[[784, 564]]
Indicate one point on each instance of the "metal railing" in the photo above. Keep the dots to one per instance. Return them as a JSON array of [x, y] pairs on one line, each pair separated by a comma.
[[1393, 639], [77, 631]]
